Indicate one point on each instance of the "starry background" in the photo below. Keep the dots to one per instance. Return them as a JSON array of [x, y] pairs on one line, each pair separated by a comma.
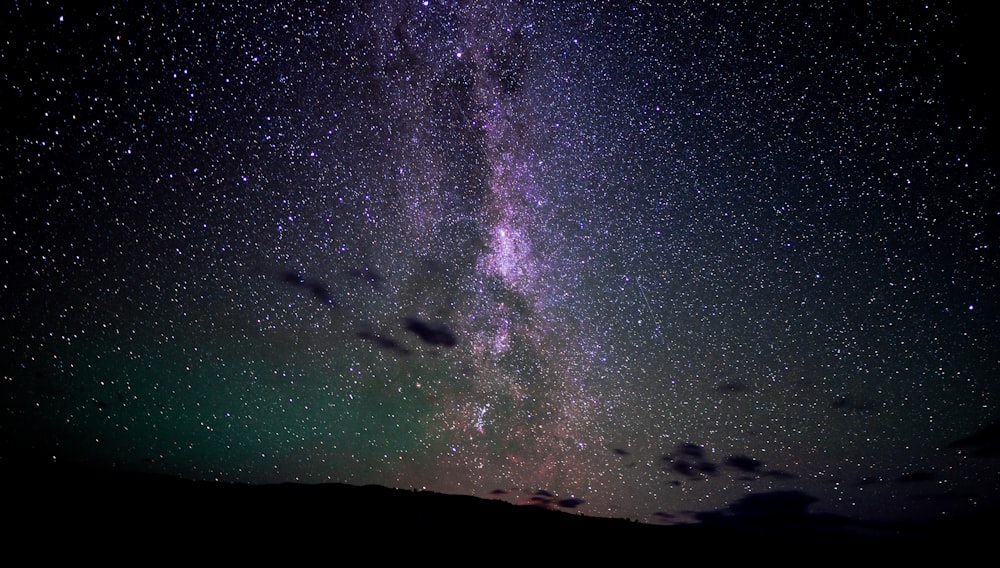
[[640, 259]]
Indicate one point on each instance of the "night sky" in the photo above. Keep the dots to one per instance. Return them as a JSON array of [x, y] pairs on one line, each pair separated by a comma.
[[637, 260]]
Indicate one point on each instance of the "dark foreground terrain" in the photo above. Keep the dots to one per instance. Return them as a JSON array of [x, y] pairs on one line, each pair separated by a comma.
[[75, 506]]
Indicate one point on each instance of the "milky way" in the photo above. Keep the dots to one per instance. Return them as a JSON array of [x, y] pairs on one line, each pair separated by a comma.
[[638, 261]]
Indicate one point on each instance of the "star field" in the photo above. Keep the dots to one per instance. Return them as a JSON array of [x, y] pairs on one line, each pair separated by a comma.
[[635, 259]]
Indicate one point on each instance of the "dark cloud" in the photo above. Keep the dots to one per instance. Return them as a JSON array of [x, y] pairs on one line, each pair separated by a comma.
[[431, 333], [383, 342], [745, 464], [983, 443], [691, 450], [314, 287], [320, 292], [291, 277], [776, 504], [688, 461], [708, 468], [780, 474], [570, 503], [540, 501], [684, 468], [773, 509]]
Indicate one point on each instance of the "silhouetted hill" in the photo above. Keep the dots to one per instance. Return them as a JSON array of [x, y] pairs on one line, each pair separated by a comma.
[[75, 504]]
